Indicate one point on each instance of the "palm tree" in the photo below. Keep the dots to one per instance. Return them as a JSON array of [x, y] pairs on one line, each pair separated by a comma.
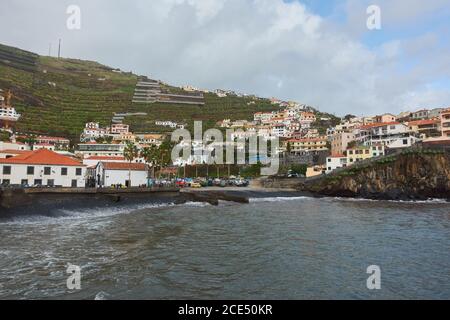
[[130, 153], [164, 152], [150, 155]]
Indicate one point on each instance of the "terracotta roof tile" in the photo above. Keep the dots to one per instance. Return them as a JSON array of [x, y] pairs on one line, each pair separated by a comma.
[[44, 157], [124, 166]]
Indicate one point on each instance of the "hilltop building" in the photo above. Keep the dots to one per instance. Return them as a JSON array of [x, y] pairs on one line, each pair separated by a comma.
[[445, 123], [8, 115]]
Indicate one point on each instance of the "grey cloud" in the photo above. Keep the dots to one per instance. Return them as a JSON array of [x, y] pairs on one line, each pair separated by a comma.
[[266, 47]]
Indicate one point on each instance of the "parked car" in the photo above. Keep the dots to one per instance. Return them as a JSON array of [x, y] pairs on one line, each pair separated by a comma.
[[180, 184], [196, 185]]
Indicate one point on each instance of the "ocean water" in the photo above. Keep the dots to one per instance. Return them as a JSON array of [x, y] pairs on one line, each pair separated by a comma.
[[279, 247]]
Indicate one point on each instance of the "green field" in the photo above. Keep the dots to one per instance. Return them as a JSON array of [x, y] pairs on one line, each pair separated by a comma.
[[58, 96]]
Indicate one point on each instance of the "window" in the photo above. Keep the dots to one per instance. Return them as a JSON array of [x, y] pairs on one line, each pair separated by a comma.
[[367, 151], [329, 168], [30, 170], [64, 171], [7, 170], [47, 171], [50, 182], [329, 160], [5, 182], [38, 182], [74, 183], [78, 172], [405, 141], [24, 182]]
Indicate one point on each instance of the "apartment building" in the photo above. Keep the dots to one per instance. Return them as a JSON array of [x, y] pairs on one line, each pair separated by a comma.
[[420, 114], [339, 141], [425, 128], [100, 149], [92, 131], [352, 156], [307, 144], [120, 128], [445, 123], [387, 117], [390, 135]]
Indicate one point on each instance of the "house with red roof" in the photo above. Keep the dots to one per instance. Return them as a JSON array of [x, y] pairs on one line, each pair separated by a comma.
[[389, 134], [92, 161], [42, 167], [426, 128], [127, 174]]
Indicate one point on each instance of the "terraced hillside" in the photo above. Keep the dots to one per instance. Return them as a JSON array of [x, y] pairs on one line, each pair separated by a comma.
[[58, 96]]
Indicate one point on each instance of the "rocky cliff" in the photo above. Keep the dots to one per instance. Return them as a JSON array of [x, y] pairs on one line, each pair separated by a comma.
[[415, 175]]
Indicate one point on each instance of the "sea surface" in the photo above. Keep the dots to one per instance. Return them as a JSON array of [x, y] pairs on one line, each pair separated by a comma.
[[276, 247]]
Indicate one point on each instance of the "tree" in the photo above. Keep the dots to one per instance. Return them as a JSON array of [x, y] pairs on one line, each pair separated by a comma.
[[130, 153], [164, 153], [150, 155], [299, 169], [348, 117]]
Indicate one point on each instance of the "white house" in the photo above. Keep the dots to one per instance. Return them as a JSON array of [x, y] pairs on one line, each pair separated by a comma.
[[336, 161], [42, 167], [92, 161], [391, 135], [13, 146], [118, 173]]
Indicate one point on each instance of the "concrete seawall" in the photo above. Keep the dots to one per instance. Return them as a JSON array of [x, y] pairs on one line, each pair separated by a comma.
[[15, 198]]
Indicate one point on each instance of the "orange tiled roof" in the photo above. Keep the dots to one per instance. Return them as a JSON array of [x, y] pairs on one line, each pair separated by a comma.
[[423, 122], [44, 157], [378, 124], [124, 166]]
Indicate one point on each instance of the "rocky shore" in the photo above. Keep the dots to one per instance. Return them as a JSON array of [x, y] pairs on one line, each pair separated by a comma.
[[409, 176]]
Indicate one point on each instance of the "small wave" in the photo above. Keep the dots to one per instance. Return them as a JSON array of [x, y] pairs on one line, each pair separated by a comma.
[[80, 214], [429, 201], [196, 204], [60, 215], [276, 199], [102, 296]]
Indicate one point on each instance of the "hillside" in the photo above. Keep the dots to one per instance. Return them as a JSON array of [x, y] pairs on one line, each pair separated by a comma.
[[58, 96]]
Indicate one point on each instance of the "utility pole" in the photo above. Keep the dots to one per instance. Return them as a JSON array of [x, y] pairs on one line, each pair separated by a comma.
[[59, 49]]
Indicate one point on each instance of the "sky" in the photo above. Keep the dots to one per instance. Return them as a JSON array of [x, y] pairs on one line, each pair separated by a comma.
[[317, 52]]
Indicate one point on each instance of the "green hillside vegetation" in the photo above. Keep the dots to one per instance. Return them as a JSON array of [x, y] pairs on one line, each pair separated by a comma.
[[58, 96]]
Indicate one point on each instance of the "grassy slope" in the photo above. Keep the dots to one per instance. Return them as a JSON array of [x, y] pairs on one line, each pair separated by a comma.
[[80, 97]]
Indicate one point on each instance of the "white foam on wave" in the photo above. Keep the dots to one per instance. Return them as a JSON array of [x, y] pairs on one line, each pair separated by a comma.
[[61, 215], [282, 199], [429, 201], [276, 199]]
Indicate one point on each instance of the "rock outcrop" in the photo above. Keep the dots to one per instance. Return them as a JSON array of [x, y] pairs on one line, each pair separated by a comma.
[[408, 176]]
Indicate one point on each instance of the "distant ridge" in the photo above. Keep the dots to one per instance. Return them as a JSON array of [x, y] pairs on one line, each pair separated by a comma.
[[58, 96]]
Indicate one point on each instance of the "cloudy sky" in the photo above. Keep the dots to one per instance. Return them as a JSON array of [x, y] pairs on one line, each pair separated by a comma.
[[318, 52]]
